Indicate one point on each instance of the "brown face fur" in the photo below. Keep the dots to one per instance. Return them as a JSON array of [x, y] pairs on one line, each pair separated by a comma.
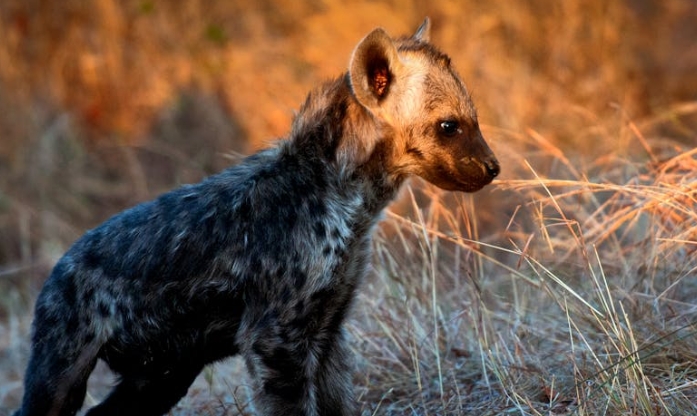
[[427, 109]]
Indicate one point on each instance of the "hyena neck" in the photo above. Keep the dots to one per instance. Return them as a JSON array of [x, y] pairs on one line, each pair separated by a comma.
[[334, 129]]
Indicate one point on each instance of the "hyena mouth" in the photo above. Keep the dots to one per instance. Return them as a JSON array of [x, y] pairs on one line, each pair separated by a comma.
[[479, 171], [489, 167]]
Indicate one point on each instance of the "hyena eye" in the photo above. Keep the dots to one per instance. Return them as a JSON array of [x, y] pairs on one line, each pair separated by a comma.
[[449, 128]]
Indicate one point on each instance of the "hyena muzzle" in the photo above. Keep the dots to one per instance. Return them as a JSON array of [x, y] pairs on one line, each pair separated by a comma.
[[262, 259]]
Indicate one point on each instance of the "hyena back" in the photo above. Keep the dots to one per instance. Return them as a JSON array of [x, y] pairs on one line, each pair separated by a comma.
[[263, 259]]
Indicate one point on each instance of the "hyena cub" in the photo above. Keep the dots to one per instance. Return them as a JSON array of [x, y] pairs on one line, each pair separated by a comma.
[[263, 259]]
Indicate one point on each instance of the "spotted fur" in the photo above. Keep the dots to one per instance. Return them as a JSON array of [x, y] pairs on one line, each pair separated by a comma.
[[262, 259]]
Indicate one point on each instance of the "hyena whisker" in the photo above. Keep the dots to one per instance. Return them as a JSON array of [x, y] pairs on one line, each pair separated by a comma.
[[262, 259]]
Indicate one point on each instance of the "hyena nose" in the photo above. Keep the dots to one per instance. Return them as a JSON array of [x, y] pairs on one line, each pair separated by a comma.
[[492, 167]]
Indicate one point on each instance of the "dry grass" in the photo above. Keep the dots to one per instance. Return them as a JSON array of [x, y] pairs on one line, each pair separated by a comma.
[[590, 312], [566, 288]]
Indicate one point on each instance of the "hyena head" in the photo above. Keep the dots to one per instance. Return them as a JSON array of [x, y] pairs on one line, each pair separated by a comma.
[[413, 91]]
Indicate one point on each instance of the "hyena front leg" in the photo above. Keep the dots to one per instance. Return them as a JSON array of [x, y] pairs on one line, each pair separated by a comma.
[[334, 379], [56, 378], [309, 376], [283, 375]]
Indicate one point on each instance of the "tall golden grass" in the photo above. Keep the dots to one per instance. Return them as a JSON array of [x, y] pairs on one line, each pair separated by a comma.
[[567, 287]]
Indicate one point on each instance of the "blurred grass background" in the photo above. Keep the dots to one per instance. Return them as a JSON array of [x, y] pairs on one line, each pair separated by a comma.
[[107, 103]]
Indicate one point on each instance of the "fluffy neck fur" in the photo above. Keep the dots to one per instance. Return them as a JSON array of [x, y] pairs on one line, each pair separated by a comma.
[[334, 129]]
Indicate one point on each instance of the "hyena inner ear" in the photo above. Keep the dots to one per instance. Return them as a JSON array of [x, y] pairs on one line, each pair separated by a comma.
[[372, 68], [423, 33]]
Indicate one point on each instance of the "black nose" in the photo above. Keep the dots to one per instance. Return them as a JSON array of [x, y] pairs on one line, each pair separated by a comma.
[[492, 167]]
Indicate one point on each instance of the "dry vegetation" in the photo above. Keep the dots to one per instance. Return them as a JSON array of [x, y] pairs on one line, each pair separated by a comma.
[[568, 287]]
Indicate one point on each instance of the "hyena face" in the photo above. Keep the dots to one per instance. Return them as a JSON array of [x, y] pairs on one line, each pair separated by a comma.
[[411, 88]]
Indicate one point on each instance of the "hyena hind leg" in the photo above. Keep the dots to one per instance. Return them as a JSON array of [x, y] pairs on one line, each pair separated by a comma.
[[148, 397], [56, 380]]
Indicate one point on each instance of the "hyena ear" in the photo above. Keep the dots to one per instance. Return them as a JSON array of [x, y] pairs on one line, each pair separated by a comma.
[[423, 33], [372, 69]]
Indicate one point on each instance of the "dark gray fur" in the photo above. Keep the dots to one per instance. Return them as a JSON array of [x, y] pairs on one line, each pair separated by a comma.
[[261, 260]]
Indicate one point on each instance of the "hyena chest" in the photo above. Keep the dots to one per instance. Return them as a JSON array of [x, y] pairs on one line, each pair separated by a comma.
[[305, 287]]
